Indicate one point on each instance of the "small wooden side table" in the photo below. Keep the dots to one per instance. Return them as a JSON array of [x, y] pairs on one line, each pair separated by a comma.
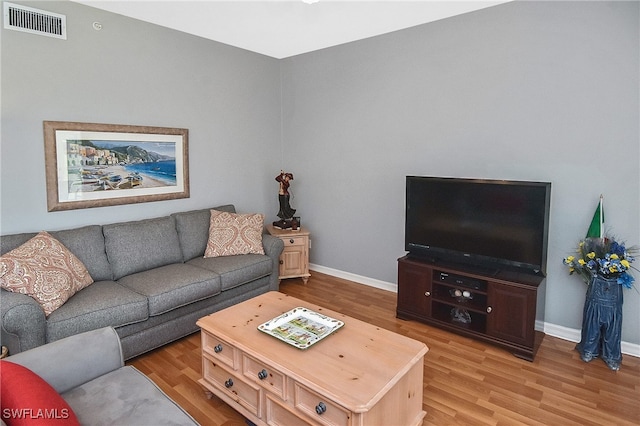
[[294, 260]]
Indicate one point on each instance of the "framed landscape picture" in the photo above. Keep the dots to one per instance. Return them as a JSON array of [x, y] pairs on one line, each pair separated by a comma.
[[96, 165]]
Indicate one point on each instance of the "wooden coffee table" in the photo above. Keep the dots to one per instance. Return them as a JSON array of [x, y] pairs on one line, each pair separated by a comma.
[[358, 375]]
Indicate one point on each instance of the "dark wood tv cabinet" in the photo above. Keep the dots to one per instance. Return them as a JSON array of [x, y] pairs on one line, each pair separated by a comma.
[[498, 307]]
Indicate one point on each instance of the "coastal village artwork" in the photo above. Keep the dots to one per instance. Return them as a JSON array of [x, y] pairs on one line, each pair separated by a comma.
[[108, 165], [94, 165]]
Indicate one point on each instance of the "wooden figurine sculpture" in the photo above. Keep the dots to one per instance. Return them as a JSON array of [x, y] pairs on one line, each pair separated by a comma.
[[286, 212]]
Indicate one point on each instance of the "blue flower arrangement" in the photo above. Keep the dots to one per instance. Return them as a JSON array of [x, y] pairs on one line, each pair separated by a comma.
[[605, 257]]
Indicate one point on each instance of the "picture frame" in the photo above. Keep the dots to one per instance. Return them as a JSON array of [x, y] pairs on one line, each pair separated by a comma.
[[96, 165]]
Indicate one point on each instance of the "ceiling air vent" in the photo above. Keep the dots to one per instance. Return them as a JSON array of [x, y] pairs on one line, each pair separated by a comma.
[[34, 21]]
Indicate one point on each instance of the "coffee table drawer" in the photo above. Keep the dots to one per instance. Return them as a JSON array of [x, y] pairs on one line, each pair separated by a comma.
[[319, 408], [279, 415], [219, 349], [245, 394], [264, 375]]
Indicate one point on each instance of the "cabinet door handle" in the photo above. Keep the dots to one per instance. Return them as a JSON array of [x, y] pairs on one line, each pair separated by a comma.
[[321, 408], [262, 374], [489, 309], [427, 293], [217, 348], [228, 383], [291, 240]]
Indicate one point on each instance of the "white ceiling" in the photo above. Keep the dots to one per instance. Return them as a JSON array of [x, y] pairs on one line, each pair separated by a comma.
[[281, 29]]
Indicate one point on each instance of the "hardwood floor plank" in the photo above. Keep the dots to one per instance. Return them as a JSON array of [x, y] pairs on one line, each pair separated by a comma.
[[466, 382]]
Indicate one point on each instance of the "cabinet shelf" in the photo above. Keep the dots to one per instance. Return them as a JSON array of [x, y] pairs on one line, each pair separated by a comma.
[[444, 312], [500, 309], [467, 299], [459, 287]]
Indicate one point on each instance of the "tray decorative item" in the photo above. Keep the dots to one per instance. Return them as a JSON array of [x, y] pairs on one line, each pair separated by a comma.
[[301, 327]]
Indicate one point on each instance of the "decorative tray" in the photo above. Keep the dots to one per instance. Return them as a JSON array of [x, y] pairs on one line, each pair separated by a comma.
[[301, 327]]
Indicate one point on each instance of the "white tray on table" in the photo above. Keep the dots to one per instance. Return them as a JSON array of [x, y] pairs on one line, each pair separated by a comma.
[[301, 327]]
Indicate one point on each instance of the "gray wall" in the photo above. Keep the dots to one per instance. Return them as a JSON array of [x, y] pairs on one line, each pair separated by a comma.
[[136, 73], [526, 90], [544, 91]]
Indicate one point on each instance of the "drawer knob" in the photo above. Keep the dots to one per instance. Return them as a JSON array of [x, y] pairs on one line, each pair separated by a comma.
[[427, 293], [291, 240], [217, 348], [263, 374], [321, 408], [228, 383], [489, 309]]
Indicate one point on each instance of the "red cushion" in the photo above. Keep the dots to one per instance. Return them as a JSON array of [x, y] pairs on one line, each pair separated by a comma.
[[26, 399]]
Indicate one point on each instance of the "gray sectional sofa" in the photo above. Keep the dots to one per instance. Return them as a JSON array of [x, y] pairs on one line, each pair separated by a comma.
[[151, 283]]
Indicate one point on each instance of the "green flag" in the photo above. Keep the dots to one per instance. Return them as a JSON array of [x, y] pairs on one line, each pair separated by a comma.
[[595, 228]]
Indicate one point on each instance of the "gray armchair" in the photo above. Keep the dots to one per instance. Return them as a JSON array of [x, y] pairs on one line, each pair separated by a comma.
[[88, 371]]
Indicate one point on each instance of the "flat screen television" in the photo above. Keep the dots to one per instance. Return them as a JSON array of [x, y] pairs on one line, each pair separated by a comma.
[[493, 224]]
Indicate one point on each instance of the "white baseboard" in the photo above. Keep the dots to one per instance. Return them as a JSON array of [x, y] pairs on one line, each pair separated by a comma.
[[383, 285], [565, 333]]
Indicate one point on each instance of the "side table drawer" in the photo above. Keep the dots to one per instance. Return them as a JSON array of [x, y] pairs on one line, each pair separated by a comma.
[[319, 408], [266, 376], [245, 394], [294, 241], [219, 349]]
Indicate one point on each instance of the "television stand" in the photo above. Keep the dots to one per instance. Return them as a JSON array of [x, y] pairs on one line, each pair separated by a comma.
[[500, 308]]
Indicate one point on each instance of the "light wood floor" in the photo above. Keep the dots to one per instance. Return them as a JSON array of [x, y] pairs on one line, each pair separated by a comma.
[[465, 382]]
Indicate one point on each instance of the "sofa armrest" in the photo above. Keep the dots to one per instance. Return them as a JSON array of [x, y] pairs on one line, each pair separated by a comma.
[[74, 360], [23, 325], [273, 247]]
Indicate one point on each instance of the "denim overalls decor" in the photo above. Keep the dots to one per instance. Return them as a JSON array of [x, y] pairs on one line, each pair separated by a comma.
[[602, 322]]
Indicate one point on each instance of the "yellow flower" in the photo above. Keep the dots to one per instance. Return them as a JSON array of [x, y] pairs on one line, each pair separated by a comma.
[[625, 263], [570, 259], [582, 262], [591, 255], [613, 256]]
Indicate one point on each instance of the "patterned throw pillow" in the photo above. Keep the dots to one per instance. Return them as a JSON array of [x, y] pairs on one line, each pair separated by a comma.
[[44, 269], [232, 233]]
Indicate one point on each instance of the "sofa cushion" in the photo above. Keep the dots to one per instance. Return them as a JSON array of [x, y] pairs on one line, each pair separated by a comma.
[[104, 303], [44, 269], [236, 270], [193, 230], [9, 242], [133, 400], [29, 400], [171, 286], [87, 243], [231, 234], [141, 245]]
